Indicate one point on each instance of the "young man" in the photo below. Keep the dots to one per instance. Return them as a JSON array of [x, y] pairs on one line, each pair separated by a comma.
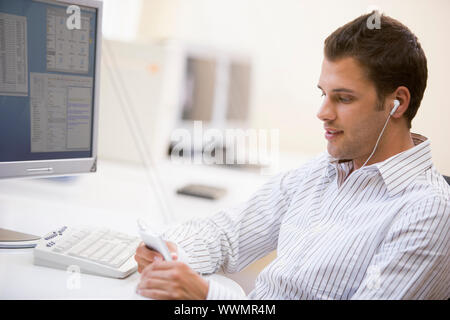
[[368, 219]]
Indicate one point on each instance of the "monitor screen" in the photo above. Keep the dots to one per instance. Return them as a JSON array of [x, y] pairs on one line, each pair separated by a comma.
[[216, 89], [48, 92]]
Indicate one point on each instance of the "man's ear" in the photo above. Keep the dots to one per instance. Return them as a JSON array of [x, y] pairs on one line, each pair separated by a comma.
[[403, 95]]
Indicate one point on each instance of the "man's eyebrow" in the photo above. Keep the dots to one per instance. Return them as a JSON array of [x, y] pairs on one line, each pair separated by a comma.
[[338, 89]]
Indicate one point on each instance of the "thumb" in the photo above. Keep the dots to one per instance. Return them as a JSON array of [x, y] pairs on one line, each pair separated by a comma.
[[172, 246], [174, 256]]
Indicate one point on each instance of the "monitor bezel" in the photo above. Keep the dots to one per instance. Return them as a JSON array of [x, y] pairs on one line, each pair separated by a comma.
[[71, 166]]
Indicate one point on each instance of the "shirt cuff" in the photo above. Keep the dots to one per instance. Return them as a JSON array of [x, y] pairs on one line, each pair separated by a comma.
[[182, 255], [192, 244], [217, 291]]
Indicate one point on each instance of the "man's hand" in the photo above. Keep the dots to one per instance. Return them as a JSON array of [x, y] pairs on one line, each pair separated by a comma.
[[144, 256], [167, 280]]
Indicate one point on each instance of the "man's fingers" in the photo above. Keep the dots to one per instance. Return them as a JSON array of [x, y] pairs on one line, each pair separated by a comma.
[[155, 294], [145, 256], [163, 266], [155, 283], [165, 274], [144, 261], [146, 253], [172, 280], [142, 264]]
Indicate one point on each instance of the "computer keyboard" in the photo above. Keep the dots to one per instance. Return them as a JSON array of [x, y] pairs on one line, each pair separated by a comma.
[[97, 251]]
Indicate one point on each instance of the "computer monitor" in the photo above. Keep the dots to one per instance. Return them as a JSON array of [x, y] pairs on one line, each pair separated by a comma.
[[215, 87], [49, 85], [215, 92]]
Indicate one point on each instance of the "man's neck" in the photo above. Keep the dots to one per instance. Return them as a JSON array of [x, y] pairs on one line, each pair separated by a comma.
[[390, 145]]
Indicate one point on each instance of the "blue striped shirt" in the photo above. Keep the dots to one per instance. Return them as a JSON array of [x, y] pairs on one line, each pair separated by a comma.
[[380, 232]]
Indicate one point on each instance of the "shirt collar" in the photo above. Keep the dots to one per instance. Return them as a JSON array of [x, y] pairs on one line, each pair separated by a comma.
[[401, 169]]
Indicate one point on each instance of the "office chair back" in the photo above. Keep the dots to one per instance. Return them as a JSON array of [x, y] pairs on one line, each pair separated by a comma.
[[447, 178]]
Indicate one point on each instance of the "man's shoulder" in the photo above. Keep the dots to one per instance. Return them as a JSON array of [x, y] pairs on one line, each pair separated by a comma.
[[434, 184], [430, 187]]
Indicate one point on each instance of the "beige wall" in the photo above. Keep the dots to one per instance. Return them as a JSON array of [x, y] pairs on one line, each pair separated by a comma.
[[285, 38]]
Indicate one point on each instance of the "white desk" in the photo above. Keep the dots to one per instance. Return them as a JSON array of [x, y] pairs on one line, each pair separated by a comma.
[[114, 197], [21, 279]]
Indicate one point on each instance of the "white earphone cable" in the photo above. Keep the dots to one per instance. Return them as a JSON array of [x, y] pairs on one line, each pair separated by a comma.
[[376, 145]]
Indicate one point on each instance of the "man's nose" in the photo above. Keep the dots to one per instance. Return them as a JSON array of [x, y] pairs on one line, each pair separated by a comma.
[[326, 111]]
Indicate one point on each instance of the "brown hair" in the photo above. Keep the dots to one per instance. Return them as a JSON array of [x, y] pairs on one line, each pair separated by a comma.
[[390, 55]]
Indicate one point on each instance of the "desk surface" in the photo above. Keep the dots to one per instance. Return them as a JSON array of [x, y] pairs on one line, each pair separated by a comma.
[[21, 279], [114, 197]]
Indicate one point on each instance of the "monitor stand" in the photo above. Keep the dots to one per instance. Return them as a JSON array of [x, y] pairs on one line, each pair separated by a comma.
[[10, 239]]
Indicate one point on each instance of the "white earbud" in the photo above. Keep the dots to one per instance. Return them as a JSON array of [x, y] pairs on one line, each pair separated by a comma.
[[396, 105]]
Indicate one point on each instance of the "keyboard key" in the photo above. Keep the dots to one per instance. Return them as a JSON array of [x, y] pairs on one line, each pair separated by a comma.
[[65, 245], [57, 249], [94, 247], [121, 258], [101, 252], [83, 244], [112, 254]]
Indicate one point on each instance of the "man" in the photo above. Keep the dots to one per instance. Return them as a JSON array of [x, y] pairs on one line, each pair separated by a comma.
[[368, 219]]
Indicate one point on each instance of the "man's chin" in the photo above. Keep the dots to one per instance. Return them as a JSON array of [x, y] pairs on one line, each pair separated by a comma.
[[333, 152], [337, 153]]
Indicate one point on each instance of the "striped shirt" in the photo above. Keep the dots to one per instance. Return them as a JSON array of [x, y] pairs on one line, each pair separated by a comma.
[[380, 232]]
